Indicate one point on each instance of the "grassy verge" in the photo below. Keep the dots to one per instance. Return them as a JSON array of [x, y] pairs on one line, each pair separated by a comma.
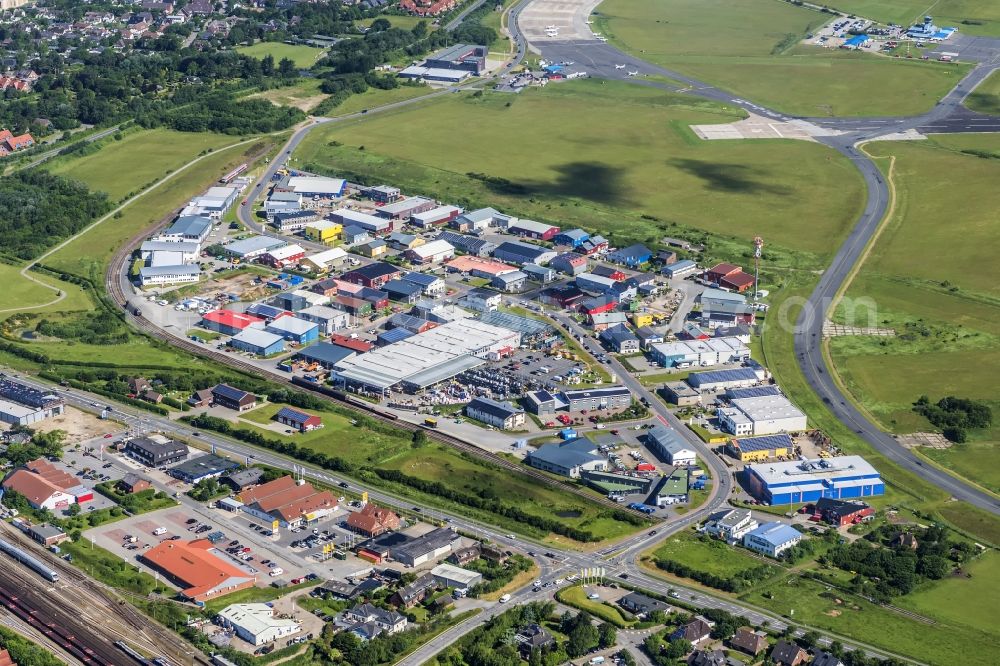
[[576, 597], [986, 97], [303, 56]]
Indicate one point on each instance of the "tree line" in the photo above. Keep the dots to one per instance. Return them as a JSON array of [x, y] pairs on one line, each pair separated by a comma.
[[40, 208]]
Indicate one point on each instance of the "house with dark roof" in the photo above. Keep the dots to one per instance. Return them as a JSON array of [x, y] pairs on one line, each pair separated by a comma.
[[203, 467], [298, 419], [412, 594], [840, 512], [244, 478], [638, 603], [132, 483], [620, 339], [373, 275], [502, 415], [747, 640], [712, 658], [823, 658], [233, 398], [788, 654], [366, 617], [155, 454], [532, 637], [568, 458], [697, 630]]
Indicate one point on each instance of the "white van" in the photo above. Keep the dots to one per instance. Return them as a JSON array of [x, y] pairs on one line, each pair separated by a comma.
[[159, 530], [545, 369], [277, 571], [505, 598], [596, 660]]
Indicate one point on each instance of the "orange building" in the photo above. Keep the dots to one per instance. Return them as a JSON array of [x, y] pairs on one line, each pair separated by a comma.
[[198, 568]]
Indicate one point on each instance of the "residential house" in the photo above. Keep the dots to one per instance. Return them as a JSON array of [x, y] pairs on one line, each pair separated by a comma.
[[368, 621], [696, 631], [372, 520], [730, 525], [749, 641], [786, 653], [132, 483], [641, 604], [297, 419], [412, 594], [632, 256], [531, 638]]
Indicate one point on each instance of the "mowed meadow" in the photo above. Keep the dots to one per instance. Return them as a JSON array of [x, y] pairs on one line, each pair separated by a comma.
[[752, 49], [612, 157], [932, 275]]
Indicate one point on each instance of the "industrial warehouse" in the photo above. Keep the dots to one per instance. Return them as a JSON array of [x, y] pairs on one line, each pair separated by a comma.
[[23, 405], [799, 481], [428, 358]]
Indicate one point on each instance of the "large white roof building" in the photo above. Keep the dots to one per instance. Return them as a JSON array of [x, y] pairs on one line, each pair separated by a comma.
[[427, 358], [256, 624]]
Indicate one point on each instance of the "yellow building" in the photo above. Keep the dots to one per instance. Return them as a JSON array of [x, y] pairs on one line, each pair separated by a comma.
[[759, 449], [372, 249], [324, 231], [640, 319]]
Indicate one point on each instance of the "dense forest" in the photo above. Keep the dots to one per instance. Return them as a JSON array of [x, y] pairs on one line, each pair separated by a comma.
[[40, 209]]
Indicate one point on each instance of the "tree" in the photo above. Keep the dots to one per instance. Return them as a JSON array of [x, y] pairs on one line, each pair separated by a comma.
[[381, 25], [74, 510], [607, 635], [286, 68], [582, 639], [677, 649], [419, 439]]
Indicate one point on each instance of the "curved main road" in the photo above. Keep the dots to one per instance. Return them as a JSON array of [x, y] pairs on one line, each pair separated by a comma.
[[948, 115]]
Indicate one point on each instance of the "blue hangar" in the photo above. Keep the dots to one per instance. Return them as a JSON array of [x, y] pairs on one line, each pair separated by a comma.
[[808, 480]]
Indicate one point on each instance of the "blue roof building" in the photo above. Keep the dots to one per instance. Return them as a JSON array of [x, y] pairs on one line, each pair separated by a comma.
[[572, 237], [256, 341], [799, 481], [265, 311], [631, 256], [294, 329], [324, 353], [620, 339], [392, 336], [772, 539], [680, 268], [568, 458], [402, 290]]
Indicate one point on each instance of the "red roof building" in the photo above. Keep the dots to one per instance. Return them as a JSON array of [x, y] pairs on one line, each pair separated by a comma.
[[228, 322], [287, 501], [354, 344], [719, 271], [9, 143], [426, 8], [739, 281], [198, 568], [373, 520]]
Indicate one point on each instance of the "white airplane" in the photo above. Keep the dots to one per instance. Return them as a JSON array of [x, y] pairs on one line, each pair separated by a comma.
[[551, 27], [635, 73], [619, 66]]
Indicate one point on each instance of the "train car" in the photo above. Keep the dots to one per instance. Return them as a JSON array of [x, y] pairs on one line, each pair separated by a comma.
[[231, 176], [29, 561]]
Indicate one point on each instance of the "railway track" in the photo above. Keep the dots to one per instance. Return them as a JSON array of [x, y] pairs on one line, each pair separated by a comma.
[[113, 286], [62, 627], [96, 603]]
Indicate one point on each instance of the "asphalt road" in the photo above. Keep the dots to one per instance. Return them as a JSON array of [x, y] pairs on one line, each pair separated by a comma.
[[605, 61]]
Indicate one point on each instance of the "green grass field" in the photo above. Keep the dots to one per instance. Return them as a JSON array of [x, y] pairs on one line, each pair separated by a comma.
[[986, 97], [335, 438], [138, 159], [305, 94], [975, 17], [750, 48], [303, 56], [374, 97], [576, 597], [89, 252], [21, 292], [947, 317], [436, 463], [712, 556], [810, 603], [963, 600], [564, 154]]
